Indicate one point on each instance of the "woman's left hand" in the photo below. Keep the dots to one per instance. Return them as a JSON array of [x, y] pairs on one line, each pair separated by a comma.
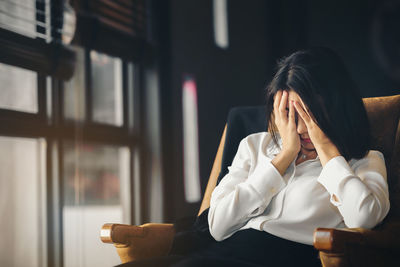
[[325, 148], [317, 136]]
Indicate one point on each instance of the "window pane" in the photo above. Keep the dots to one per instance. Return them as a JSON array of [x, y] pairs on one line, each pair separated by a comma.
[[18, 89], [96, 191], [19, 16], [22, 199], [74, 90], [132, 94], [106, 88]]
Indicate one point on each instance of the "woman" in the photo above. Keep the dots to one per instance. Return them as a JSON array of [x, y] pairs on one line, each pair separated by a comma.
[[313, 168]]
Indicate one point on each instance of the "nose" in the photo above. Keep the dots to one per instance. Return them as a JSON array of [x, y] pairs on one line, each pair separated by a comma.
[[301, 126]]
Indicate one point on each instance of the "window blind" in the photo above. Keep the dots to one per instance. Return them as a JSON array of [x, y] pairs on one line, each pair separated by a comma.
[[117, 27], [30, 37]]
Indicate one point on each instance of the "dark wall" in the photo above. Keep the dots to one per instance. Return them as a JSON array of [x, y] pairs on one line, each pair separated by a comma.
[[260, 32], [346, 26], [225, 78]]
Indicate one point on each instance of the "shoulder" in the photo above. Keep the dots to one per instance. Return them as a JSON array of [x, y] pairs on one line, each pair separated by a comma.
[[375, 155], [260, 142], [372, 155], [256, 138], [373, 161]]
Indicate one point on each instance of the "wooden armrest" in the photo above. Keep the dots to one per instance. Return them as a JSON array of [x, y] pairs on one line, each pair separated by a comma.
[[358, 246], [119, 233], [139, 242], [335, 240]]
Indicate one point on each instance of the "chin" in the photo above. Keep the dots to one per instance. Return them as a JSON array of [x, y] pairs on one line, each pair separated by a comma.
[[308, 146]]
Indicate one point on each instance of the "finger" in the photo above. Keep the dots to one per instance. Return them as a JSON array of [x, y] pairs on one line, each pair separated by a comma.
[[302, 113], [283, 103], [291, 113], [306, 109], [277, 99]]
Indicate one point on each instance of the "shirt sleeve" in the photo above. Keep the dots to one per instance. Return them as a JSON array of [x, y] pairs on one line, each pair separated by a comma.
[[359, 192], [243, 193]]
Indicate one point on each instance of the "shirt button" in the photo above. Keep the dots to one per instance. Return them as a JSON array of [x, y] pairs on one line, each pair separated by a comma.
[[273, 190]]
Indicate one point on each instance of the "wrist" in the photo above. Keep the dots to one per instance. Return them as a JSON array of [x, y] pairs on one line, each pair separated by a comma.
[[282, 161], [289, 153], [327, 152], [327, 148]]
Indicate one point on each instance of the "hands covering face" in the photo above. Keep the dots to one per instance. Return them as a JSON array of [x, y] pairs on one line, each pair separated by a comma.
[[285, 121], [317, 136]]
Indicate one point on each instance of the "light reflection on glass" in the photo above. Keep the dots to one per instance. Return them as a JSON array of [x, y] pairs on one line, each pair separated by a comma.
[[106, 76], [18, 89], [96, 191], [75, 90], [22, 202]]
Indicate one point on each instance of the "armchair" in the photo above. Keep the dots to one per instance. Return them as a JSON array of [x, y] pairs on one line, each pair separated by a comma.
[[337, 247]]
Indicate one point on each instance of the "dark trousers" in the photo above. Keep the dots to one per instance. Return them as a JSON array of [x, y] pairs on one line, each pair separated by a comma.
[[245, 248]]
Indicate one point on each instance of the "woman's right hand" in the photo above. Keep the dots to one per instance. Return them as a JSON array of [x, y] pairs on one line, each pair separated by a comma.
[[286, 124]]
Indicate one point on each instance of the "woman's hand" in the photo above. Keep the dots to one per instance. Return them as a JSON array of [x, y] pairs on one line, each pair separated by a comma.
[[326, 150], [317, 136], [286, 124]]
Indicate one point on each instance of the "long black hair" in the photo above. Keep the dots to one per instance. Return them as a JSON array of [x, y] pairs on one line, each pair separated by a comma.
[[320, 78]]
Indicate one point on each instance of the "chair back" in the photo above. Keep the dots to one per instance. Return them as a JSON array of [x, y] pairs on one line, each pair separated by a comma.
[[384, 117]]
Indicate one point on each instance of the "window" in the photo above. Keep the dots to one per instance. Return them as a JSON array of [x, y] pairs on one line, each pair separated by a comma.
[[96, 190], [75, 90], [95, 141], [70, 152], [19, 89], [20, 16], [106, 73], [96, 156], [23, 198]]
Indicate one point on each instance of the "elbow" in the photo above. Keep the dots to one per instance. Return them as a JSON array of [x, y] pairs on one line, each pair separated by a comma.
[[217, 235], [360, 222], [222, 232], [218, 230], [214, 227], [368, 218]]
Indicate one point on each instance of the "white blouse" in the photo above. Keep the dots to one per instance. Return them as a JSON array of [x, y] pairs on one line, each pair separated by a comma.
[[253, 194]]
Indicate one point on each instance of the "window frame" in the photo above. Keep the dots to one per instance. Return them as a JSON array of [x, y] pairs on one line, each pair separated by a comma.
[[56, 129]]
